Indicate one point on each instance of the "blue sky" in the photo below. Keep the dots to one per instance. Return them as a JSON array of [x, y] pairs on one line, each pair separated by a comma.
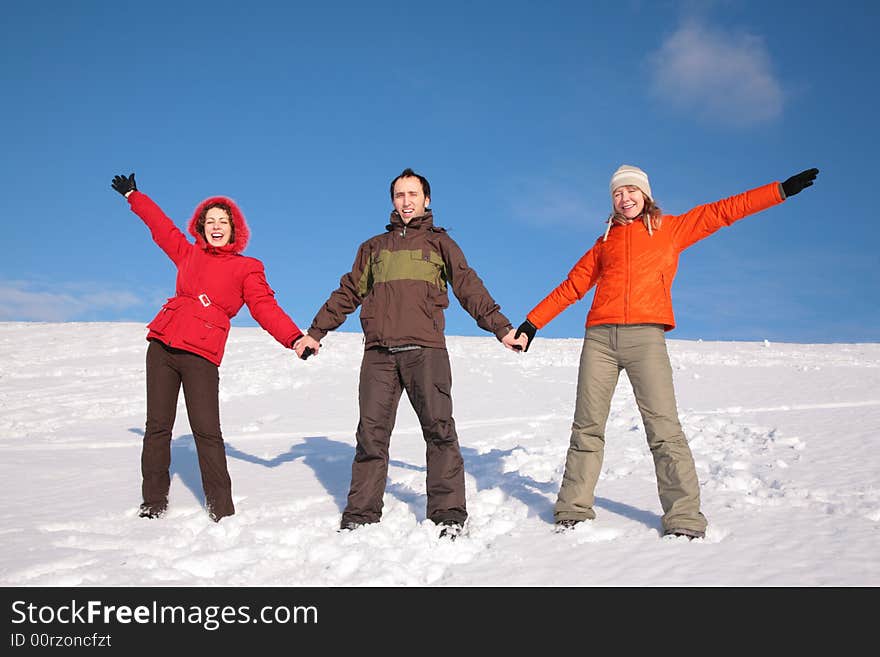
[[517, 112]]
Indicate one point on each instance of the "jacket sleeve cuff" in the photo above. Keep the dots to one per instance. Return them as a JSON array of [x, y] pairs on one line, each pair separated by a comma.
[[316, 334], [296, 336], [504, 330]]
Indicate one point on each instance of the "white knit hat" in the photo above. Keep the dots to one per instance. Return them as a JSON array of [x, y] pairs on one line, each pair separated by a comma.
[[630, 175]]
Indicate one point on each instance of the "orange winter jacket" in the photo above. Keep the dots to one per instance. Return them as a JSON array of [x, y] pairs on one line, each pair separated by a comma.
[[633, 270]]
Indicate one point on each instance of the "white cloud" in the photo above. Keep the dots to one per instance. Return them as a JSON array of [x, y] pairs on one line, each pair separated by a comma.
[[38, 301], [719, 75]]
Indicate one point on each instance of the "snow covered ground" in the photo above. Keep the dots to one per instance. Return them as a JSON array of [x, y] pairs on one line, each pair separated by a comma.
[[786, 439]]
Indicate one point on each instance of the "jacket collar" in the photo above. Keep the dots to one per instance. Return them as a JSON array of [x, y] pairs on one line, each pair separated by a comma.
[[426, 221]]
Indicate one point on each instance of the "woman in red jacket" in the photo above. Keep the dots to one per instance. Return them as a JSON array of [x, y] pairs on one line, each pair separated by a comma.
[[633, 265], [188, 336]]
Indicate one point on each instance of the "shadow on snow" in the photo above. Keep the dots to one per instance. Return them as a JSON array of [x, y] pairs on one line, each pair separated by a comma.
[[330, 460]]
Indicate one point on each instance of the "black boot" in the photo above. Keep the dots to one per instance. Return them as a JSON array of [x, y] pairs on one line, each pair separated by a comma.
[[566, 525], [151, 511], [690, 534], [350, 525], [451, 529]]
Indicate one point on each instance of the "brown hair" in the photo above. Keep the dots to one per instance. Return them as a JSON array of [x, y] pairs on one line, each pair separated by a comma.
[[200, 222], [409, 173]]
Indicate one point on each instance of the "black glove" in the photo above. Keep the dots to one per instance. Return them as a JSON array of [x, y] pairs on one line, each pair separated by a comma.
[[124, 185], [308, 351], [529, 329], [798, 181]]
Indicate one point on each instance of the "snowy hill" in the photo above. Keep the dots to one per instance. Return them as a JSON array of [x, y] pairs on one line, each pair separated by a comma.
[[786, 439]]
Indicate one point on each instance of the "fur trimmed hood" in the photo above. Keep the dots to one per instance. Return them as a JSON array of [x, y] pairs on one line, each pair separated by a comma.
[[242, 232]]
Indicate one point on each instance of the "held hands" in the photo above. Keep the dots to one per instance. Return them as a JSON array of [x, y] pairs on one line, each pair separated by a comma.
[[306, 346], [526, 333], [123, 185], [799, 181], [515, 342]]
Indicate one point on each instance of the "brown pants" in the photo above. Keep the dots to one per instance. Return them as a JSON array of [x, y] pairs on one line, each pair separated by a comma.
[[167, 369], [426, 376], [640, 350]]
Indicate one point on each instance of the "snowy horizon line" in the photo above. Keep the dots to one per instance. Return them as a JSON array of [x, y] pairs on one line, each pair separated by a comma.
[[765, 341]]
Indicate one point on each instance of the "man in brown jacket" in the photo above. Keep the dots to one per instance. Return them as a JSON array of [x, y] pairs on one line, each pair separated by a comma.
[[400, 279]]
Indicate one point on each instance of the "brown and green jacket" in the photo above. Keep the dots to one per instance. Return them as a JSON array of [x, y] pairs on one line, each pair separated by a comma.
[[399, 279]]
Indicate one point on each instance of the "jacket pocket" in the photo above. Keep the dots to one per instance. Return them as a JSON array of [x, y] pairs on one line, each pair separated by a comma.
[[435, 314], [667, 290], [436, 299], [428, 266], [165, 315], [378, 269], [368, 307], [369, 318], [432, 307], [205, 334]]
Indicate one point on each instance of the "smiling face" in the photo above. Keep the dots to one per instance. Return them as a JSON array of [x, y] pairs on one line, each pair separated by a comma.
[[409, 198], [218, 227], [628, 200]]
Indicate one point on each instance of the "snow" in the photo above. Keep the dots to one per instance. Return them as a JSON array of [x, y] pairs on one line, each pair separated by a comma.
[[785, 438]]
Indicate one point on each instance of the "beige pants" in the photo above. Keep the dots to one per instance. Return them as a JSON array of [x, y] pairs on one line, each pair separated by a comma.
[[640, 349]]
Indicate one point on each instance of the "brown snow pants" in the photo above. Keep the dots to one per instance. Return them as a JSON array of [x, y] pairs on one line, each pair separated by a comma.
[[426, 376], [640, 349], [167, 369]]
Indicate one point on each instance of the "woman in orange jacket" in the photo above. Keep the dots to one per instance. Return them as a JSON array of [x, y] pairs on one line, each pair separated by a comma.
[[633, 265]]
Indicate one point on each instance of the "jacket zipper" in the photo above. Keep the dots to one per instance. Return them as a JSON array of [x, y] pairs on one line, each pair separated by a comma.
[[628, 276]]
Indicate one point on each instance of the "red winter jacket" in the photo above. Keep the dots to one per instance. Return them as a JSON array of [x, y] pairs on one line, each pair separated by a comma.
[[212, 285], [633, 270]]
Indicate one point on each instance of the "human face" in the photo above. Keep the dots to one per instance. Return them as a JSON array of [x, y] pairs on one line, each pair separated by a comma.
[[218, 228], [628, 200], [409, 199]]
